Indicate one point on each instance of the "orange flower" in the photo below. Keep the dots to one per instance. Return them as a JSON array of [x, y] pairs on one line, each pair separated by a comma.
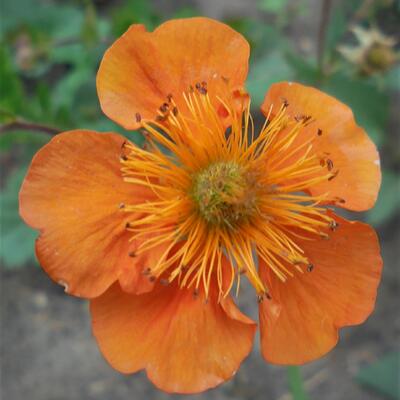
[[158, 237]]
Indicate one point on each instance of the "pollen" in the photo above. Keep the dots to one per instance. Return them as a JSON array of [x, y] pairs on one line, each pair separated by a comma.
[[226, 198]]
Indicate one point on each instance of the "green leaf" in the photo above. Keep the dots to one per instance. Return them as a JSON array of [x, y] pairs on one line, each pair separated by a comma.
[[388, 201], [134, 11], [393, 78], [273, 6], [17, 239], [273, 67], [12, 97], [30, 141], [383, 376]]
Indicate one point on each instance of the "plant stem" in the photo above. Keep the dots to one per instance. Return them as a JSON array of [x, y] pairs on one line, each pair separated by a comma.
[[19, 124], [323, 25], [296, 384]]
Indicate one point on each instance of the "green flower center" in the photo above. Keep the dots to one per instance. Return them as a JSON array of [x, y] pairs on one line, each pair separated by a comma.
[[223, 194]]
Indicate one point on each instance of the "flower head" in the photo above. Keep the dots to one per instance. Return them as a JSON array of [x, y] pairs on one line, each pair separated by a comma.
[[160, 237], [374, 53]]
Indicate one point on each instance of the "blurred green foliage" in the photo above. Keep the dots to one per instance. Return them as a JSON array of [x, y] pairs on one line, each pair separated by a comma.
[[50, 51]]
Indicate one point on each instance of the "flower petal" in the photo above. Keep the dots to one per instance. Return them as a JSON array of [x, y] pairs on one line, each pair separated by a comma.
[[300, 323], [337, 137], [186, 344], [72, 193], [142, 68]]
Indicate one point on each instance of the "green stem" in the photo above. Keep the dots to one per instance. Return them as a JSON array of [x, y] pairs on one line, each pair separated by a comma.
[[296, 384]]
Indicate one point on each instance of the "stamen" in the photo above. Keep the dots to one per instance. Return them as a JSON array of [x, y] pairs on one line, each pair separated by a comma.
[[222, 195]]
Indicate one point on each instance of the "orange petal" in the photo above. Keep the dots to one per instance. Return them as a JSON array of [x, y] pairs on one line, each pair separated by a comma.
[[186, 345], [72, 193], [133, 278], [142, 68], [338, 138], [300, 323]]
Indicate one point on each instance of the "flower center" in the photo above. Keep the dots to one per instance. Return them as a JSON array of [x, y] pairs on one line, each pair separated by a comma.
[[223, 194]]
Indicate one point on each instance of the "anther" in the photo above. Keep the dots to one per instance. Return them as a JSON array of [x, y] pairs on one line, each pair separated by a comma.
[[127, 225], [333, 225], [285, 102], [196, 293], [146, 271], [310, 267], [160, 118], [175, 111], [138, 117], [169, 97], [121, 205], [329, 164], [319, 132], [340, 200], [132, 254], [123, 157], [164, 282], [164, 107], [152, 278]]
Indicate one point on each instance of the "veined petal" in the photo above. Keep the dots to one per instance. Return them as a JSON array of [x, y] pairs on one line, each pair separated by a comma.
[[73, 193], [186, 344], [300, 323], [337, 138], [142, 68]]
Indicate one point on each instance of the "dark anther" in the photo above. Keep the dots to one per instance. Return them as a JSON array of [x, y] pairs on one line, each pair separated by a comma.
[[121, 205], [333, 225], [175, 111], [160, 118], [285, 102], [196, 292], [164, 282], [198, 86], [329, 164], [123, 157], [138, 117], [268, 296], [334, 175], [132, 254], [203, 90], [152, 278], [322, 162], [298, 118], [164, 107], [340, 200], [169, 98], [191, 88], [124, 143], [127, 225], [319, 132], [310, 267], [204, 84], [146, 271], [225, 79]]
